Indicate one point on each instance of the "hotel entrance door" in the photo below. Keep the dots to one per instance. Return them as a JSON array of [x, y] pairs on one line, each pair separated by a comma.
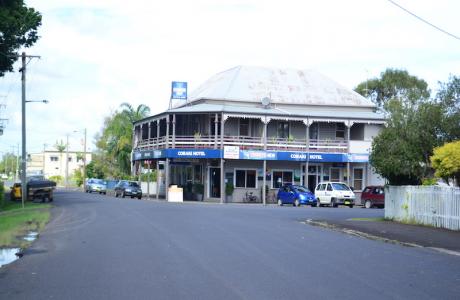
[[214, 182]]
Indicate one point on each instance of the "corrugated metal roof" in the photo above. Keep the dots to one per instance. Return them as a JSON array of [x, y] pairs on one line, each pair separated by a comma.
[[273, 111], [283, 86]]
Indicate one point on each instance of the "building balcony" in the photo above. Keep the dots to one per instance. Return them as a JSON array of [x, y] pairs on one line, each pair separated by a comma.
[[245, 143]]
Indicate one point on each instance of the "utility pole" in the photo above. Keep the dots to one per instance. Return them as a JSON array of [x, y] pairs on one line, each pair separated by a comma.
[[16, 175], [84, 163], [44, 158], [23, 117], [67, 163], [24, 154]]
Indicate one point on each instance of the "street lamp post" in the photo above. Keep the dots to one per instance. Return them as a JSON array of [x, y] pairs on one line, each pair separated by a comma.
[[24, 152]]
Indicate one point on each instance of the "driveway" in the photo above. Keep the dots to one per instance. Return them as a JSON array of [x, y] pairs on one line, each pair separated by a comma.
[[101, 247]]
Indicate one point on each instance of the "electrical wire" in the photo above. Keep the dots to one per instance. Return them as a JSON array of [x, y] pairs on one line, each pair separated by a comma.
[[424, 21]]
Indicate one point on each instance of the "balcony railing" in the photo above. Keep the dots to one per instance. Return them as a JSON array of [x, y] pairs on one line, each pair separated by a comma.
[[245, 143]]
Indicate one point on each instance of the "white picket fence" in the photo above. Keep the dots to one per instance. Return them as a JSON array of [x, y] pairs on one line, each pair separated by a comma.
[[428, 205]]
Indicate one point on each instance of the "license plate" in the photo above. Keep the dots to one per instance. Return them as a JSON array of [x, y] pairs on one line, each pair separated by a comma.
[[347, 202]]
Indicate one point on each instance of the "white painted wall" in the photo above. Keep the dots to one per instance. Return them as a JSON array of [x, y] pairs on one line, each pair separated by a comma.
[[360, 146], [371, 131]]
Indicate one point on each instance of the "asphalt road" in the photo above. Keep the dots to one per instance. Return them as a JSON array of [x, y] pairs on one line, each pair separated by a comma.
[[101, 247]]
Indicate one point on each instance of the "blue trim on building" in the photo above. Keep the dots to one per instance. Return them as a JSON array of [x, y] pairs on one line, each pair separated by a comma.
[[252, 155]]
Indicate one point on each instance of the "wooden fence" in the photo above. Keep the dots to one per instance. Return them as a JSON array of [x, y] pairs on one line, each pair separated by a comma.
[[428, 205]]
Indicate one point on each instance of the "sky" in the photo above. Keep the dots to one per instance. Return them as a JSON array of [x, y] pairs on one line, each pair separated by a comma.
[[97, 54]]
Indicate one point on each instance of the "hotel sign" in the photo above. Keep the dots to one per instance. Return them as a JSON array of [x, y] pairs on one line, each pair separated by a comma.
[[179, 90]]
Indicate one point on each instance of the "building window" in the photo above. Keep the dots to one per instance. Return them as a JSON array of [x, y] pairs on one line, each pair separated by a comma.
[[283, 130], [279, 178], [339, 131], [54, 158], [335, 175], [244, 127], [314, 131], [358, 179], [245, 179]]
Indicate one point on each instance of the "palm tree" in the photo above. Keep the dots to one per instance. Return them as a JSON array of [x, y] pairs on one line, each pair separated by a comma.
[[116, 139], [60, 146], [137, 114]]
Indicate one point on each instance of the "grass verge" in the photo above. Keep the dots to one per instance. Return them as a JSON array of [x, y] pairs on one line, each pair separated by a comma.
[[16, 222], [369, 219]]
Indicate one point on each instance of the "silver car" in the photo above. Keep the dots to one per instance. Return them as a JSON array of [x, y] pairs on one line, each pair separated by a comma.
[[96, 185]]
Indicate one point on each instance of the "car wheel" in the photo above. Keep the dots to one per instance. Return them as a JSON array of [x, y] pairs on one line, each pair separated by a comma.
[[333, 204], [139, 197], [368, 204], [105, 193], [116, 195], [297, 203], [314, 204], [123, 194], [280, 203], [351, 205], [318, 203]]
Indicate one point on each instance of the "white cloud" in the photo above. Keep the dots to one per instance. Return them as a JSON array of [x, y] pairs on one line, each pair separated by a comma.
[[98, 54]]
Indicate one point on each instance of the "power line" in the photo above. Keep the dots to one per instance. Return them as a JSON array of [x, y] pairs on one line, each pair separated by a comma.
[[424, 21]]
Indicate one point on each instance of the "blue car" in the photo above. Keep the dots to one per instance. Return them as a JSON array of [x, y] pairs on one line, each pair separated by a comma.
[[296, 195]]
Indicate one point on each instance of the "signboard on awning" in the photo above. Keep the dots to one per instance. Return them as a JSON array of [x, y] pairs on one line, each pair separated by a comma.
[[234, 152], [231, 152]]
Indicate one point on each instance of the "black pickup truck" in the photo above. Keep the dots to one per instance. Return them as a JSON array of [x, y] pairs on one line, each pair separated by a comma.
[[37, 188]]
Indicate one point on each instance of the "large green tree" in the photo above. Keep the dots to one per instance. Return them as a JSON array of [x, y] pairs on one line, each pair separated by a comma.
[[448, 96], [18, 28], [115, 141], [401, 152], [391, 84]]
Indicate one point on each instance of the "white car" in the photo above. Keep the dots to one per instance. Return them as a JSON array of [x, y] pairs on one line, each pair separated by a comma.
[[334, 193]]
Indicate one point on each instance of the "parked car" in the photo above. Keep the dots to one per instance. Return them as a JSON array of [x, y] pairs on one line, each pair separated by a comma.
[[96, 185], [373, 196], [334, 194], [128, 188], [296, 195]]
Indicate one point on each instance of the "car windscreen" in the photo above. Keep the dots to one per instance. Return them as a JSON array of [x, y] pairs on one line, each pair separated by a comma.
[[301, 189], [99, 181], [340, 187], [134, 184]]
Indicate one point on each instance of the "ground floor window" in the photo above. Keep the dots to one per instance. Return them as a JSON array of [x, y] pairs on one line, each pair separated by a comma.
[[358, 175], [245, 178], [281, 177], [335, 175]]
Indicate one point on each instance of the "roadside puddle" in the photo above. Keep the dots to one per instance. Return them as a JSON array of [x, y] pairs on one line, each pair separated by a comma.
[[31, 236], [8, 255]]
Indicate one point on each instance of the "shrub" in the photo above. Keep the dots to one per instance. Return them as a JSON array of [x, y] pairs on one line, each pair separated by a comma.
[[429, 181], [229, 189], [198, 188], [56, 178]]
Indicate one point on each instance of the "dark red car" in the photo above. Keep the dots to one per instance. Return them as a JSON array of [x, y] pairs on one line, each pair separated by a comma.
[[373, 196]]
